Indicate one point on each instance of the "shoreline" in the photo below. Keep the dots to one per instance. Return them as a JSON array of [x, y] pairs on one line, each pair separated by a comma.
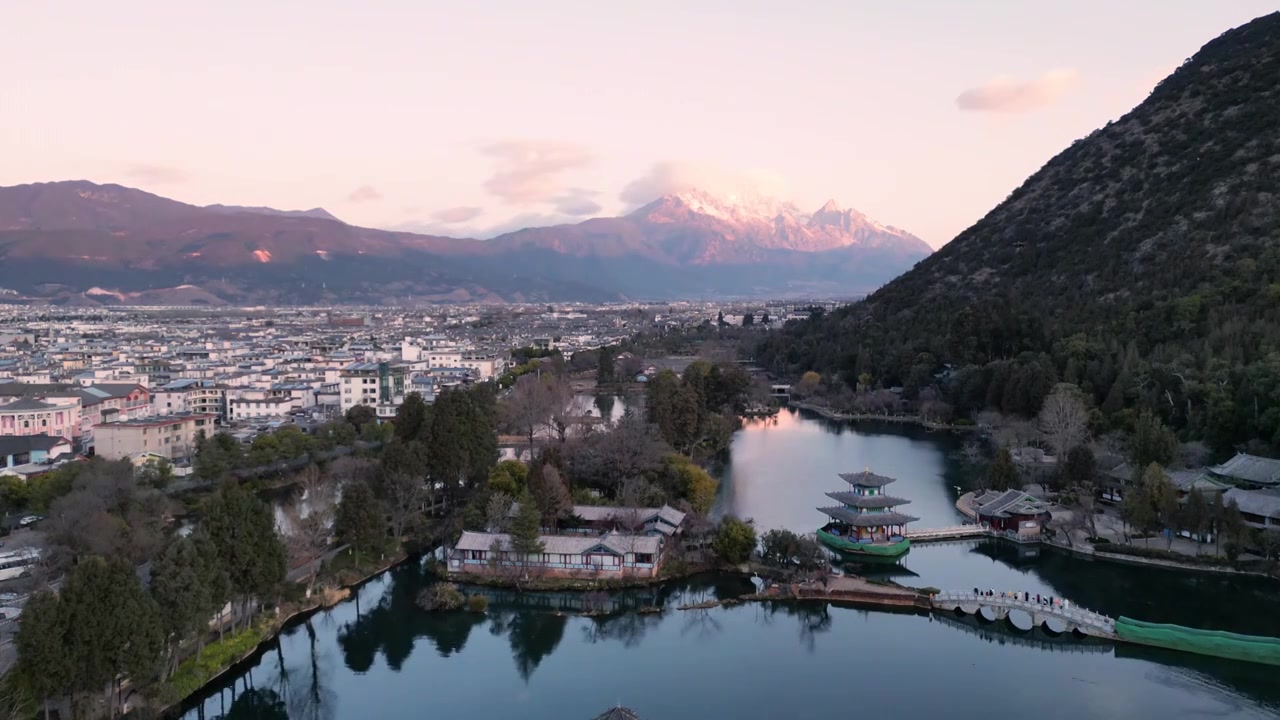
[[830, 414], [322, 601]]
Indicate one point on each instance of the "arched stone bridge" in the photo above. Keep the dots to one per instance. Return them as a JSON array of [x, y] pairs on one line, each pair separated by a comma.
[[1072, 618]]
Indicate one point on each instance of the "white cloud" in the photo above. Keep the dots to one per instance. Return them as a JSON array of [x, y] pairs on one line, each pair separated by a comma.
[[673, 177], [531, 171], [156, 174], [364, 193], [1008, 95]]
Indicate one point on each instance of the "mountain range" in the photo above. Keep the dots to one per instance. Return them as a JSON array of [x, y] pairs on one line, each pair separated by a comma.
[[82, 242]]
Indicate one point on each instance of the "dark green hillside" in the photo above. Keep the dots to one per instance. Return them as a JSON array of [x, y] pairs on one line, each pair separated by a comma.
[[1143, 263]]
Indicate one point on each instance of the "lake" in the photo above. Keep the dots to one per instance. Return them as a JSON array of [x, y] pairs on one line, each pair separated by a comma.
[[378, 656]]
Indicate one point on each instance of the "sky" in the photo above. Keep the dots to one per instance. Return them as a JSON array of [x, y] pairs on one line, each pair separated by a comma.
[[471, 118]]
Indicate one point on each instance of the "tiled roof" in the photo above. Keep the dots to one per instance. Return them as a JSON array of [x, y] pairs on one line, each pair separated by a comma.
[[1255, 502], [857, 519], [866, 478], [566, 544], [1251, 469]]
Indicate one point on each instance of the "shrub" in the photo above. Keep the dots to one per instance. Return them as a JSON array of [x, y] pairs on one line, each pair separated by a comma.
[[441, 596], [195, 671], [477, 603]]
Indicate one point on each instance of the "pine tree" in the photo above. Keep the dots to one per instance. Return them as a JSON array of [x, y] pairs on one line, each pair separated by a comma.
[[526, 529], [242, 529], [360, 523], [1003, 474], [412, 418], [44, 660]]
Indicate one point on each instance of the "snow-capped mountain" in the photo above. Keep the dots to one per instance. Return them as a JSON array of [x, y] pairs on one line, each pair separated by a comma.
[[81, 242]]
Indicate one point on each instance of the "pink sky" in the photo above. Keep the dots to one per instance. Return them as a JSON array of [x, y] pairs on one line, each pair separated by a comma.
[[462, 118]]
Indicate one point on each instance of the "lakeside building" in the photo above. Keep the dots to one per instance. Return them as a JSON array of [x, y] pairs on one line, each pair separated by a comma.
[[569, 556], [865, 522], [597, 541], [1250, 472], [1012, 511]]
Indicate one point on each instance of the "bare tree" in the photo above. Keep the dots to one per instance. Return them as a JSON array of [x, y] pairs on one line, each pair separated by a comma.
[[1064, 419], [538, 401], [405, 493], [309, 520], [498, 512]]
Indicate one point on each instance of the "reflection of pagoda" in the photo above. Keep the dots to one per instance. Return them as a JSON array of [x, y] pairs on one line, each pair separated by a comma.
[[865, 522]]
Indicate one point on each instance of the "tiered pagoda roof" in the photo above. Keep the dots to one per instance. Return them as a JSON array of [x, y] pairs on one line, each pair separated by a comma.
[[857, 519], [851, 503], [866, 478], [866, 502]]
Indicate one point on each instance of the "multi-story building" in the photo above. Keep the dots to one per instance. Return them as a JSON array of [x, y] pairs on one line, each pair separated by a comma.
[[33, 416], [380, 385], [190, 395], [170, 436]]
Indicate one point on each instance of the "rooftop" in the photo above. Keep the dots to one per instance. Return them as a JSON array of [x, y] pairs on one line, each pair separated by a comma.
[[159, 420], [866, 478], [857, 519], [617, 543], [1250, 469]]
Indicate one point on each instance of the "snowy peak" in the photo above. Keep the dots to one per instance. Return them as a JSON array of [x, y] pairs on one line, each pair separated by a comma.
[[768, 223]]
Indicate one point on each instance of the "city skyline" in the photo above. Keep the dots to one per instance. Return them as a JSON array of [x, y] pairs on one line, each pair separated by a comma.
[[467, 121]]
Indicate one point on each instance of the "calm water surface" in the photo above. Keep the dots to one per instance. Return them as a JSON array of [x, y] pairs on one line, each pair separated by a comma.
[[378, 656]]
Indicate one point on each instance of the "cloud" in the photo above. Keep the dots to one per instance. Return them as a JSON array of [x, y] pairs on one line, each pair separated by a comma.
[[364, 193], [671, 177], [156, 174], [1005, 94], [453, 215], [529, 171], [577, 202]]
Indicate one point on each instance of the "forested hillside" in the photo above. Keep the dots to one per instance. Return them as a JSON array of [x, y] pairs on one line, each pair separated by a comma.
[[1142, 263]]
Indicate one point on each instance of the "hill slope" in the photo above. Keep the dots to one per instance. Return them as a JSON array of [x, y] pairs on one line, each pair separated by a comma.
[[1142, 263]]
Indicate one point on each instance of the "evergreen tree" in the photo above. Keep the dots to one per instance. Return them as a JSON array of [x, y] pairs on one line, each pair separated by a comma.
[[1195, 516], [113, 627], [44, 658], [748, 320], [1152, 442], [606, 372], [187, 587], [360, 523], [242, 529], [734, 541], [412, 418], [1003, 474], [526, 529]]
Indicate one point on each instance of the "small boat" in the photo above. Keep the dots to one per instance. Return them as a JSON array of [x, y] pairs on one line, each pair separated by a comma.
[[865, 523]]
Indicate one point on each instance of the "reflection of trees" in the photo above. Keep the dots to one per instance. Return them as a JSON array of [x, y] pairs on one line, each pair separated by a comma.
[[813, 618], [255, 704], [393, 625], [533, 637], [604, 403], [628, 628]]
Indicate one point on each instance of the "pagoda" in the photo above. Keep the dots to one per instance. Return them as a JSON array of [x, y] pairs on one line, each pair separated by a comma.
[[865, 522]]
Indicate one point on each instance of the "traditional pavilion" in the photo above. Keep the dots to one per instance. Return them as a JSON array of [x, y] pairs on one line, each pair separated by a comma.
[[865, 522]]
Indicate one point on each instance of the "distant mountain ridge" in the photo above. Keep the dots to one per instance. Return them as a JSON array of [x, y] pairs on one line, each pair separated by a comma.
[[59, 240]]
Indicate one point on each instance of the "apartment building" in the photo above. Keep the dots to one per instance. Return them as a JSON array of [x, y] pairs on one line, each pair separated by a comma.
[[170, 436]]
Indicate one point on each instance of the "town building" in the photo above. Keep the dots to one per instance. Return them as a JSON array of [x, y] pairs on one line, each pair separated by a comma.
[[380, 385], [16, 450], [32, 416], [171, 436]]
